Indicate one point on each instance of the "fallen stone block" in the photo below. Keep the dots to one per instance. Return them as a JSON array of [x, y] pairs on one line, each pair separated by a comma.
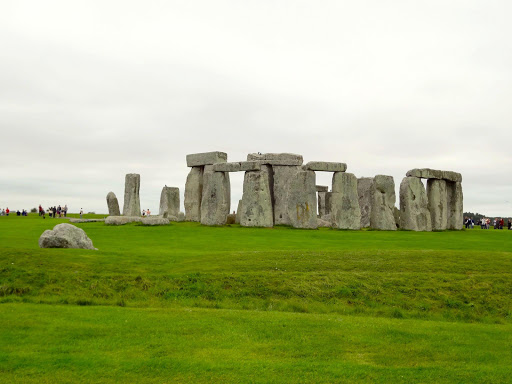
[[122, 220], [65, 236], [206, 158], [154, 221]]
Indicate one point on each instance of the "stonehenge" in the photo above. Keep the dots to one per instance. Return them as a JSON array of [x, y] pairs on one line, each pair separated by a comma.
[[278, 189]]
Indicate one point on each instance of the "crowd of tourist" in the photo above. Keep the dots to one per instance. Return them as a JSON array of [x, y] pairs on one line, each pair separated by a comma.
[[55, 211], [485, 223], [146, 213]]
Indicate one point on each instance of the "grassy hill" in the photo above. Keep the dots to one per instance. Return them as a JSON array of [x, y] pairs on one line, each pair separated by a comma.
[[187, 303]]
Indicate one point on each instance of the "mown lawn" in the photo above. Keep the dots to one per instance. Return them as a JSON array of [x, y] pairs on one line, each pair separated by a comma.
[[186, 303]]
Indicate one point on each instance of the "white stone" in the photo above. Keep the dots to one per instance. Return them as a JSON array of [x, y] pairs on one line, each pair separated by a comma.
[[113, 204], [216, 199], [170, 201], [65, 236], [345, 211], [206, 158], [414, 214], [301, 200], [194, 194], [257, 199], [131, 195]]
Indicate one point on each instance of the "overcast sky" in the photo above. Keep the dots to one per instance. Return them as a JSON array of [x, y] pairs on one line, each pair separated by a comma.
[[92, 90]]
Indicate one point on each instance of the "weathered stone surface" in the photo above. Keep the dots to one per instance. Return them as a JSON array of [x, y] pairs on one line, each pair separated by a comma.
[[257, 199], [194, 194], [170, 201], [113, 204], [396, 214], [437, 203], [153, 221], [325, 166], [282, 178], [131, 195], [216, 199], [427, 173], [345, 211], [172, 218], [231, 219], [238, 212], [206, 158], [321, 204], [383, 203], [455, 205], [414, 214], [240, 166], [302, 200], [250, 166], [65, 236], [322, 188], [323, 223], [77, 221], [121, 220], [181, 216], [276, 158], [364, 193]]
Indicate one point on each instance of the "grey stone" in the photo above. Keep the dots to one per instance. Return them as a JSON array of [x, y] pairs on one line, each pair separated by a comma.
[[321, 204], [238, 212], [241, 166], [181, 216], [216, 199], [345, 211], [131, 195], [437, 203], [325, 166], [170, 201], [301, 205], [427, 173], [364, 192], [383, 201], [231, 219], [77, 221], [65, 236], [396, 214], [322, 188], [153, 221], [250, 166], [194, 194], [122, 220], [257, 199], [172, 218], [276, 158], [414, 214], [455, 205], [206, 158], [113, 204], [282, 178], [321, 223]]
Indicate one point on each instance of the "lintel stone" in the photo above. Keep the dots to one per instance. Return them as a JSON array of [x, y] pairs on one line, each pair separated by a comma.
[[427, 173], [240, 166], [206, 158], [325, 166], [276, 158]]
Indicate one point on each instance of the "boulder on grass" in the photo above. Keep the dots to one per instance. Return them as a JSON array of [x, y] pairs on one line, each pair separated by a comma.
[[151, 221], [65, 236]]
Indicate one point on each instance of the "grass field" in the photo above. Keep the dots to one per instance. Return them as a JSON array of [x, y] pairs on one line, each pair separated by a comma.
[[187, 303]]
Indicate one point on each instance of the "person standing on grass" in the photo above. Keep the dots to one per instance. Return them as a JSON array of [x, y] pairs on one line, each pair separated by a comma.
[[7, 211], [509, 224], [502, 223], [81, 212], [148, 212], [66, 210], [54, 211]]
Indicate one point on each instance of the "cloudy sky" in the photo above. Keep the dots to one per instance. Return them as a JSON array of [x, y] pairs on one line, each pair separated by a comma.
[[92, 90]]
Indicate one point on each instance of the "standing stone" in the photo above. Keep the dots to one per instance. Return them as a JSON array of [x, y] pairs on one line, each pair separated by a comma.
[[113, 205], [455, 205], [170, 201], [345, 211], [364, 193], [238, 212], [396, 213], [131, 195], [282, 178], [194, 194], [216, 199], [321, 204], [383, 203], [301, 202], [257, 199], [437, 203], [414, 214]]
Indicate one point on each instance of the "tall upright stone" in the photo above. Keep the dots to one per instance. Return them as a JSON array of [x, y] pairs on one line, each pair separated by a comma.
[[301, 200], [345, 211], [194, 194], [322, 204], [216, 199], [437, 203], [256, 210], [282, 177], [364, 193], [238, 212], [131, 205], [383, 203], [454, 205], [113, 205], [170, 201], [414, 213]]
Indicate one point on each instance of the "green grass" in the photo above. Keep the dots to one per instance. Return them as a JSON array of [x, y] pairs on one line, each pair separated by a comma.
[[187, 303]]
